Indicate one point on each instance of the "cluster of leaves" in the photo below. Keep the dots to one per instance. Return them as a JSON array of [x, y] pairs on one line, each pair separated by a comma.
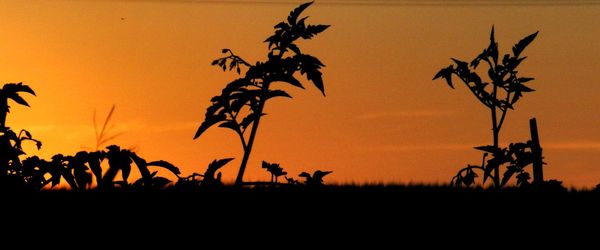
[[316, 179], [240, 104], [502, 75], [80, 169], [514, 158]]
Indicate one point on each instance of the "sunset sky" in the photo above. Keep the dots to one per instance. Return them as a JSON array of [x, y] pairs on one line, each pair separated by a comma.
[[383, 119]]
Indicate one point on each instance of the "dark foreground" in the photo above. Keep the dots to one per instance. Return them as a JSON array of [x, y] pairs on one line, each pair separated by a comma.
[[354, 213]]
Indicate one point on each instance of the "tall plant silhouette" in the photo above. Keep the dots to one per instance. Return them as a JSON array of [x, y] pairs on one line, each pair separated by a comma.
[[499, 95], [241, 103]]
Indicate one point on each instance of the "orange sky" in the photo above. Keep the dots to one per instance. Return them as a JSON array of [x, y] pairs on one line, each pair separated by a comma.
[[383, 118]]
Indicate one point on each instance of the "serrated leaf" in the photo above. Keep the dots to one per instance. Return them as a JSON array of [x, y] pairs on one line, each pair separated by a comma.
[[293, 17], [446, 73], [492, 49], [521, 45], [310, 66], [313, 30]]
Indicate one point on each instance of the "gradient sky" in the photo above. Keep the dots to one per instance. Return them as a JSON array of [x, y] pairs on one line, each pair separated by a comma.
[[383, 120]]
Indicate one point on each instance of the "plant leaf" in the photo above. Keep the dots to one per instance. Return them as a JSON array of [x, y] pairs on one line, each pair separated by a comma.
[[166, 165], [507, 174], [520, 46], [311, 66], [293, 17], [446, 73], [313, 30], [488, 148], [17, 98], [276, 93]]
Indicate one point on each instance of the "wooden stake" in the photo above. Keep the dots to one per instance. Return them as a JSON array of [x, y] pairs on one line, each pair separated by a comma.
[[536, 150]]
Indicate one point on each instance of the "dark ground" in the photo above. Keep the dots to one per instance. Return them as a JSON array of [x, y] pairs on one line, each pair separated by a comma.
[[300, 215]]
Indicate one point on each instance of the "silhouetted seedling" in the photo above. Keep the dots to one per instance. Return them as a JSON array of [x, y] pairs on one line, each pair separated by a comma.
[[291, 180], [241, 103], [210, 178], [499, 95], [316, 179], [274, 169], [121, 160]]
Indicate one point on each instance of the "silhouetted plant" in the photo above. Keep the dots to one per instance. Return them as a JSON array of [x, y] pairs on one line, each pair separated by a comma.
[[316, 179], [11, 168], [516, 157], [79, 169], [274, 169], [499, 95], [209, 178], [241, 103], [291, 180], [121, 160]]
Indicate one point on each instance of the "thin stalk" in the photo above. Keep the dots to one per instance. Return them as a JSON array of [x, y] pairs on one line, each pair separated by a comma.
[[248, 149], [496, 132]]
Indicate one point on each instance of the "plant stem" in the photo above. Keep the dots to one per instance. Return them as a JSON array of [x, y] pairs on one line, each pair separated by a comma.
[[248, 149], [495, 132]]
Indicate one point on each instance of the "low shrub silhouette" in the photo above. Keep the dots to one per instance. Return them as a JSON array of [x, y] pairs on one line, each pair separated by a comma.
[[241, 103], [499, 95], [274, 169], [316, 179], [78, 170]]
